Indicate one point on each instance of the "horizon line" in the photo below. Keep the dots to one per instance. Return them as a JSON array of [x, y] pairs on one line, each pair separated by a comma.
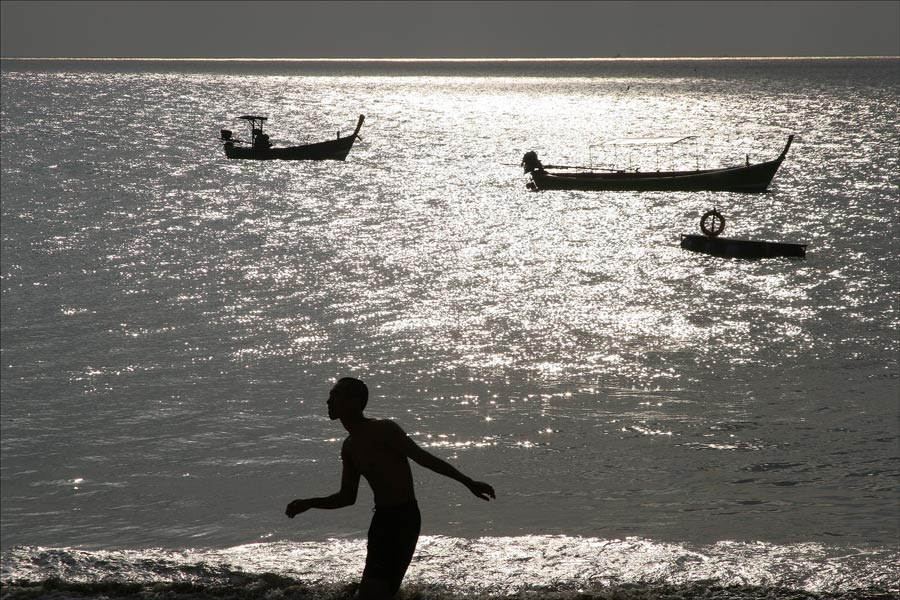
[[444, 59]]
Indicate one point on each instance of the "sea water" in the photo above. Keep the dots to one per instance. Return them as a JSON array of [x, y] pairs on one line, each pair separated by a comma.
[[657, 423]]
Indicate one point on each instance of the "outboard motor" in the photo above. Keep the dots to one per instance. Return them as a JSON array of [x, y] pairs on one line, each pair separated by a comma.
[[531, 163], [226, 134]]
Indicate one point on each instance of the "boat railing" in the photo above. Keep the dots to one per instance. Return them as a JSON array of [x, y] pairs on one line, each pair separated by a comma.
[[626, 151], [611, 167]]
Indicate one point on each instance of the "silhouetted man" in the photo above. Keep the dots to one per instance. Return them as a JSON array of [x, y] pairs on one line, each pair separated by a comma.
[[379, 450]]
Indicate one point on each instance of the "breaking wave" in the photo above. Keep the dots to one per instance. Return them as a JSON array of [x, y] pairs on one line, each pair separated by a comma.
[[552, 567]]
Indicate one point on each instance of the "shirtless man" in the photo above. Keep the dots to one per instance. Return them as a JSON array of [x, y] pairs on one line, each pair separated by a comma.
[[380, 450]]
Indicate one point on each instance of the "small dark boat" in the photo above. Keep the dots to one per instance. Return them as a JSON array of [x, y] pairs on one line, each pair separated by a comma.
[[732, 248], [259, 147], [742, 178], [712, 223]]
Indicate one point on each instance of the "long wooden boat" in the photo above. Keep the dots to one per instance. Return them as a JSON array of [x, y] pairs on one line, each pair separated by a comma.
[[259, 147], [741, 178]]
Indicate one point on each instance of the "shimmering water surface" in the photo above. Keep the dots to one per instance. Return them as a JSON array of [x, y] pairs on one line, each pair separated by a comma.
[[172, 320]]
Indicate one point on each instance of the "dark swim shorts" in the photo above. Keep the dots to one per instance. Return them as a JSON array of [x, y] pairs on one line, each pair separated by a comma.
[[392, 541]]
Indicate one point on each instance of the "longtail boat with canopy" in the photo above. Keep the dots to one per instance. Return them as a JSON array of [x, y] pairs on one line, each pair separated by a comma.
[[740, 178], [259, 147]]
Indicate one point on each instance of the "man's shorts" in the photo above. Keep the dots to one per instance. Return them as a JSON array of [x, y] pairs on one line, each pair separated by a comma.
[[392, 541]]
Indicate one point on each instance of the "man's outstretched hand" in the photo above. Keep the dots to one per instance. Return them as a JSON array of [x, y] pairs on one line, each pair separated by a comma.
[[296, 507], [482, 490]]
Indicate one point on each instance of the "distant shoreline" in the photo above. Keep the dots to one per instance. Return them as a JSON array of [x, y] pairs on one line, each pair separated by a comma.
[[449, 60]]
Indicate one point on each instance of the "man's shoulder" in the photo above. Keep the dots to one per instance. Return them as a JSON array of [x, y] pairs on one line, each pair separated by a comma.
[[387, 425], [377, 426], [385, 430], [376, 430]]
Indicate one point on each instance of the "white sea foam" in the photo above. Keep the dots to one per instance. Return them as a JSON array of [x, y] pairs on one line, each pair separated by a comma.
[[488, 567]]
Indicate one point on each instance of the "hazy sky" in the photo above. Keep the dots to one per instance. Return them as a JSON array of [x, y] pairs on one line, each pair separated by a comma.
[[448, 29]]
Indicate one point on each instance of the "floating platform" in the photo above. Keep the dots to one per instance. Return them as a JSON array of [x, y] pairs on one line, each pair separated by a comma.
[[732, 248]]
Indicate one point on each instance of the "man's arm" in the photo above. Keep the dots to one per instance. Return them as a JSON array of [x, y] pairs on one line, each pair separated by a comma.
[[409, 448], [345, 497]]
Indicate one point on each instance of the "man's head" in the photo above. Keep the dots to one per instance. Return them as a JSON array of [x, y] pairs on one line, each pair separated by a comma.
[[349, 396]]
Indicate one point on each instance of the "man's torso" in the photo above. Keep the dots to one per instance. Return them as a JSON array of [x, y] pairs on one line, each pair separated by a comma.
[[385, 468]]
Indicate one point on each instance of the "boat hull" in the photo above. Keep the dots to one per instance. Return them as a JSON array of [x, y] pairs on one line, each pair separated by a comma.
[[732, 248], [337, 149], [753, 178]]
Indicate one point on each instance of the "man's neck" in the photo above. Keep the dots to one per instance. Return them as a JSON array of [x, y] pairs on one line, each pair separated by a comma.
[[354, 421]]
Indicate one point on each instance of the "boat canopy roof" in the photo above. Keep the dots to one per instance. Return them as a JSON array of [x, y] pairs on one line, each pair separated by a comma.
[[647, 141], [253, 118]]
